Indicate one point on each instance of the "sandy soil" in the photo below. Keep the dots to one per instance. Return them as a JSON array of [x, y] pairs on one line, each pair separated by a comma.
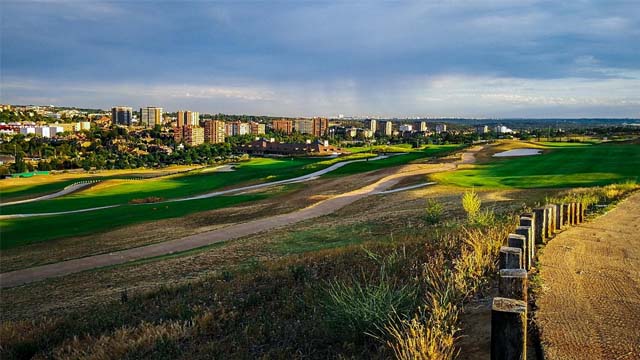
[[589, 307]]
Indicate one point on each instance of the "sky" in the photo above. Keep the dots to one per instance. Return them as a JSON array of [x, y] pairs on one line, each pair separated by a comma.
[[485, 59]]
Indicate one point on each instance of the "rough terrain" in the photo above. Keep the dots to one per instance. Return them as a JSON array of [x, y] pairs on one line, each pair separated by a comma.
[[589, 306]]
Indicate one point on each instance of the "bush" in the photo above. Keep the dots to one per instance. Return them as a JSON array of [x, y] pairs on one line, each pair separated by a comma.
[[358, 310], [471, 204], [433, 211]]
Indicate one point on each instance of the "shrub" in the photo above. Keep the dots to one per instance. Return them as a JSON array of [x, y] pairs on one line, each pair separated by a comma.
[[358, 310], [471, 204], [433, 211]]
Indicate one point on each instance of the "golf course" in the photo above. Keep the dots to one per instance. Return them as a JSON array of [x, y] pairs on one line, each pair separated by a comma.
[[560, 165], [123, 193]]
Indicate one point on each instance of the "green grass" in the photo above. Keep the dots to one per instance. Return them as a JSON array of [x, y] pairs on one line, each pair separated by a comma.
[[562, 165], [254, 171], [395, 160], [301, 241], [16, 192], [25, 231]]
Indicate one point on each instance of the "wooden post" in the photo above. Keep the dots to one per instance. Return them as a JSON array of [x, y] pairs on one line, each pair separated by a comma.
[[520, 242], [580, 213], [510, 258], [508, 329], [539, 224], [551, 218], [513, 284], [565, 215], [559, 216], [574, 215], [572, 212], [528, 221], [528, 254]]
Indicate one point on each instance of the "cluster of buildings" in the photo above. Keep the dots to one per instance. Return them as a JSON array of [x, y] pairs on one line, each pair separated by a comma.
[[498, 129], [387, 128], [190, 130], [46, 131], [271, 147], [317, 127]]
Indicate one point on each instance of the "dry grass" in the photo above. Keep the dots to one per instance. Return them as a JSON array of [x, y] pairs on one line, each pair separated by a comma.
[[127, 342]]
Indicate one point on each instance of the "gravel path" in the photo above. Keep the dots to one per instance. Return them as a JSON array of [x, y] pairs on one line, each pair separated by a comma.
[[590, 302], [24, 276]]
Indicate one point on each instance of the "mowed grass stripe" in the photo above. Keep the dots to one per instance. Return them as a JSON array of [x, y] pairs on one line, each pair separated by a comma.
[[25, 231], [561, 166], [121, 191]]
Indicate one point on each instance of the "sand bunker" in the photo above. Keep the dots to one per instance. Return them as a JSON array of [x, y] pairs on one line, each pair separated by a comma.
[[519, 152]]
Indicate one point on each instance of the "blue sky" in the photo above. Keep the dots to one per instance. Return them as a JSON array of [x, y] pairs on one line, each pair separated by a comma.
[[296, 58]]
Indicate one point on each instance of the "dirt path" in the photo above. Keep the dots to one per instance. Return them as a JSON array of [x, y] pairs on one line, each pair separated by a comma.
[[24, 276], [590, 303]]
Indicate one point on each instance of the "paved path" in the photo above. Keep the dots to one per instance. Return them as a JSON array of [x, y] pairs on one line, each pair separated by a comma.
[[590, 304], [298, 179], [24, 276]]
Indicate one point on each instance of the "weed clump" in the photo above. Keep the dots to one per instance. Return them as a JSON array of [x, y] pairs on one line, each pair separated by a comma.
[[433, 211], [356, 310]]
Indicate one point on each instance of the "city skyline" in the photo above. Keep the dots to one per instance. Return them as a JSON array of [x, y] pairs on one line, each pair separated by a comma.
[[459, 59]]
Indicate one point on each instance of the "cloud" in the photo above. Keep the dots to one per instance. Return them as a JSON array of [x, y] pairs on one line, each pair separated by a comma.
[[327, 57]]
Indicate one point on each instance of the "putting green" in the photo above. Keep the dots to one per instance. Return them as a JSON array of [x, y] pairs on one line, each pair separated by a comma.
[[561, 165]]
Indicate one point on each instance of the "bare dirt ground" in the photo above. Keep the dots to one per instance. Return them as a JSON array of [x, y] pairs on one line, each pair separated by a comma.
[[589, 306]]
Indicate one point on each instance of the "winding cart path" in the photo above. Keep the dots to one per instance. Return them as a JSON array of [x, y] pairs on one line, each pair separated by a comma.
[[590, 302], [24, 276]]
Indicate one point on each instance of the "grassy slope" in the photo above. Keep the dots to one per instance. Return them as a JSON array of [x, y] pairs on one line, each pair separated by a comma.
[[17, 232], [431, 150], [20, 188], [121, 192], [23, 231], [561, 166]]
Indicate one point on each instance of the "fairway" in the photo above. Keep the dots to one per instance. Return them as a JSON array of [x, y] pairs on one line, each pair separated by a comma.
[[395, 160], [24, 231], [561, 165], [114, 192], [21, 188]]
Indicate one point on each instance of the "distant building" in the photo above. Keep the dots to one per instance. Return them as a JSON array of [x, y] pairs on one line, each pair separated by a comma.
[[81, 125], [371, 124], [190, 135], [150, 116], [257, 128], [440, 128], [320, 127], [482, 129], [235, 128], [186, 117], [406, 128], [27, 130], [121, 115], [420, 126], [501, 129], [214, 131], [271, 147], [365, 133], [303, 126], [385, 128], [283, 126]]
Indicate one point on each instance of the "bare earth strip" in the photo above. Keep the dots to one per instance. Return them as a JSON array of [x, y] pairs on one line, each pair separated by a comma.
[[590, 304], [321, 208]]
